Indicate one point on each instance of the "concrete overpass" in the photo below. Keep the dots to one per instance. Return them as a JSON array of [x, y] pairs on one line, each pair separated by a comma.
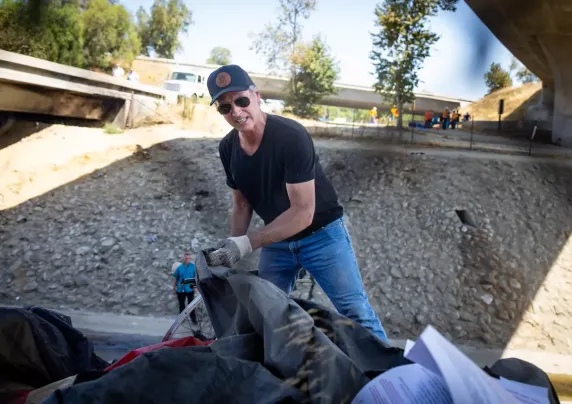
[[539, 34], [273, 87], [35, 86]]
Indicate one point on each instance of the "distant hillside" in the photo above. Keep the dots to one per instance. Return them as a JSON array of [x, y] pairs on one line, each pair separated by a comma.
[[516, 100]]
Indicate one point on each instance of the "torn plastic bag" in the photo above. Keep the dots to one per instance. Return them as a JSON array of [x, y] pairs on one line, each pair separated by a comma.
[[270, 348]]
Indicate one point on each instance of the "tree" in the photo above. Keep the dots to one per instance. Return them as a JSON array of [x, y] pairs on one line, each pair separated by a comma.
[[160, 31], [48, 30], [315, 74], [219, 56], [277, 42], [400, 46], [526, 76], [514, 66], [497, 78], [142, 20], [109, 34], [520, 72]]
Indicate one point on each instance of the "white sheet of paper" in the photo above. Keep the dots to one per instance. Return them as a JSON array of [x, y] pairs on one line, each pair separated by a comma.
[[407, 384], [525, 393], [467, 383]]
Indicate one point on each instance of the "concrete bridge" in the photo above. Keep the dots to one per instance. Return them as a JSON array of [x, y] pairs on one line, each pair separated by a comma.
[[35, 86], [539, 34], [273, 87]]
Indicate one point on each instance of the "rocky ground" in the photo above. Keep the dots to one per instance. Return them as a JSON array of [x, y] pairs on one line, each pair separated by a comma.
[[464, 244]]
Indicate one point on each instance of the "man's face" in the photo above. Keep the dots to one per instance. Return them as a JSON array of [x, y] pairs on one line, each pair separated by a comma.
[[242, 118], [186, 259]]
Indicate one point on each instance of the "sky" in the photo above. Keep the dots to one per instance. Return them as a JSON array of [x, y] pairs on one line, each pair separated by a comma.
[[455, 68]]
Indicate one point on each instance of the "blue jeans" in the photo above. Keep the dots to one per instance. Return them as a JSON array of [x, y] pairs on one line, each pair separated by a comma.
[[329, 257]]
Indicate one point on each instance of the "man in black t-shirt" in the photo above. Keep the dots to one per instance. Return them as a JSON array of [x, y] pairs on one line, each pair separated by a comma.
[[272, 168]]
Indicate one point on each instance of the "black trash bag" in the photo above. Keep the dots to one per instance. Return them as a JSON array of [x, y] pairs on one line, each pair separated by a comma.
[[40, 346], [327, 356], [269, 349], [523, 372], [183, 375]]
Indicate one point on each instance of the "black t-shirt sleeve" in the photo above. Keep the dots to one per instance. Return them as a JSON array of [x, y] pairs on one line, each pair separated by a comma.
[[224, 151], [299, 157]]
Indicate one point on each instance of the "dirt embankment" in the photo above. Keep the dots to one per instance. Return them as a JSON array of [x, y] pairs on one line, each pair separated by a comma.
[[93, 221]]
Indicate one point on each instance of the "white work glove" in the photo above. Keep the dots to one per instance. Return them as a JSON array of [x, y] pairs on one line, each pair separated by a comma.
[[229, 251]]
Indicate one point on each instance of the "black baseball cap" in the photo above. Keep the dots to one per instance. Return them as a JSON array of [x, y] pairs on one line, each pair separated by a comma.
[[226, 79]]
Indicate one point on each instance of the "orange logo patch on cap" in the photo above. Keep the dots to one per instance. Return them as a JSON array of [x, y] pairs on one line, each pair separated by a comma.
[[222, 79]]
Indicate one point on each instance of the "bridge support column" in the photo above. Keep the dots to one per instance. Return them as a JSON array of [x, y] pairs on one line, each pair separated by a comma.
[[557, 51]]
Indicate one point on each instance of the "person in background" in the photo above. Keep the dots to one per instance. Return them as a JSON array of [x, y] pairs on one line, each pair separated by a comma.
[[184, 291], [445, 120], [394, 113], [117, 71], [373, 115], [454, 119], [132, 75], [466, 117], [428, 119]]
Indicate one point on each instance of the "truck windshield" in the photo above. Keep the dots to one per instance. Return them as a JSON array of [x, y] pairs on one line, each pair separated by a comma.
[[184, 76]]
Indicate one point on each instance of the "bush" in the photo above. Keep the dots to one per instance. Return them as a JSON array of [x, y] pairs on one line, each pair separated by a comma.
[[111, 129]]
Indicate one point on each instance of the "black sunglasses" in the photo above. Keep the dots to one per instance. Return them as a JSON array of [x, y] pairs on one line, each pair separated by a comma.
[[241, 102]]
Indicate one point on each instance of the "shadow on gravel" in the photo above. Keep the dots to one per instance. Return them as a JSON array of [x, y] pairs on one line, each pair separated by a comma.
[[106, 242]]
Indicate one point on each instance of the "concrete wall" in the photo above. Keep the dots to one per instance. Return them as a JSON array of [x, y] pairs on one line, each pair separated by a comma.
[[558, 50]]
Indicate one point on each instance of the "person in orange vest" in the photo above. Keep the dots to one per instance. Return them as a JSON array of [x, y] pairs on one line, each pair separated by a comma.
[[394, 112], [445, 120], [454, 119], [373, 115], [428, 119]]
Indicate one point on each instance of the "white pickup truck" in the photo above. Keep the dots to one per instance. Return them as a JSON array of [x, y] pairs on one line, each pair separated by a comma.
[[186, 83]]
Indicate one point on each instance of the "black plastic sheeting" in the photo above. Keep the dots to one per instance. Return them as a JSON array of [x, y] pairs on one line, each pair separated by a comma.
[[38, 347], [269, 349]]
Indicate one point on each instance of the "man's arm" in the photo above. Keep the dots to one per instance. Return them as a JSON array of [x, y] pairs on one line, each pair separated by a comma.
[[241, 214], [175, 286], [292, 221]]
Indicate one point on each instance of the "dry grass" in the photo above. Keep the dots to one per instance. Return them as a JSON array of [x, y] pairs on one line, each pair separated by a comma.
[[516, 101]]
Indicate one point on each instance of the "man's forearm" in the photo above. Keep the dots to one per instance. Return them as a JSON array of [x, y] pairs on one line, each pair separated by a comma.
[[240, 220], [289, 223]]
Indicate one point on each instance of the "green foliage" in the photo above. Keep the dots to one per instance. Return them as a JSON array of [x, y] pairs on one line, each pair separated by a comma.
[[520, 72], [315, 74], [109, 34], [347, 114], [277, 42], [400, 46], [311, 68], [219, 56], [497, 78], [111, 129], [91, 33], [160, 31], [51, 31], [526, 76], [142, 19]]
